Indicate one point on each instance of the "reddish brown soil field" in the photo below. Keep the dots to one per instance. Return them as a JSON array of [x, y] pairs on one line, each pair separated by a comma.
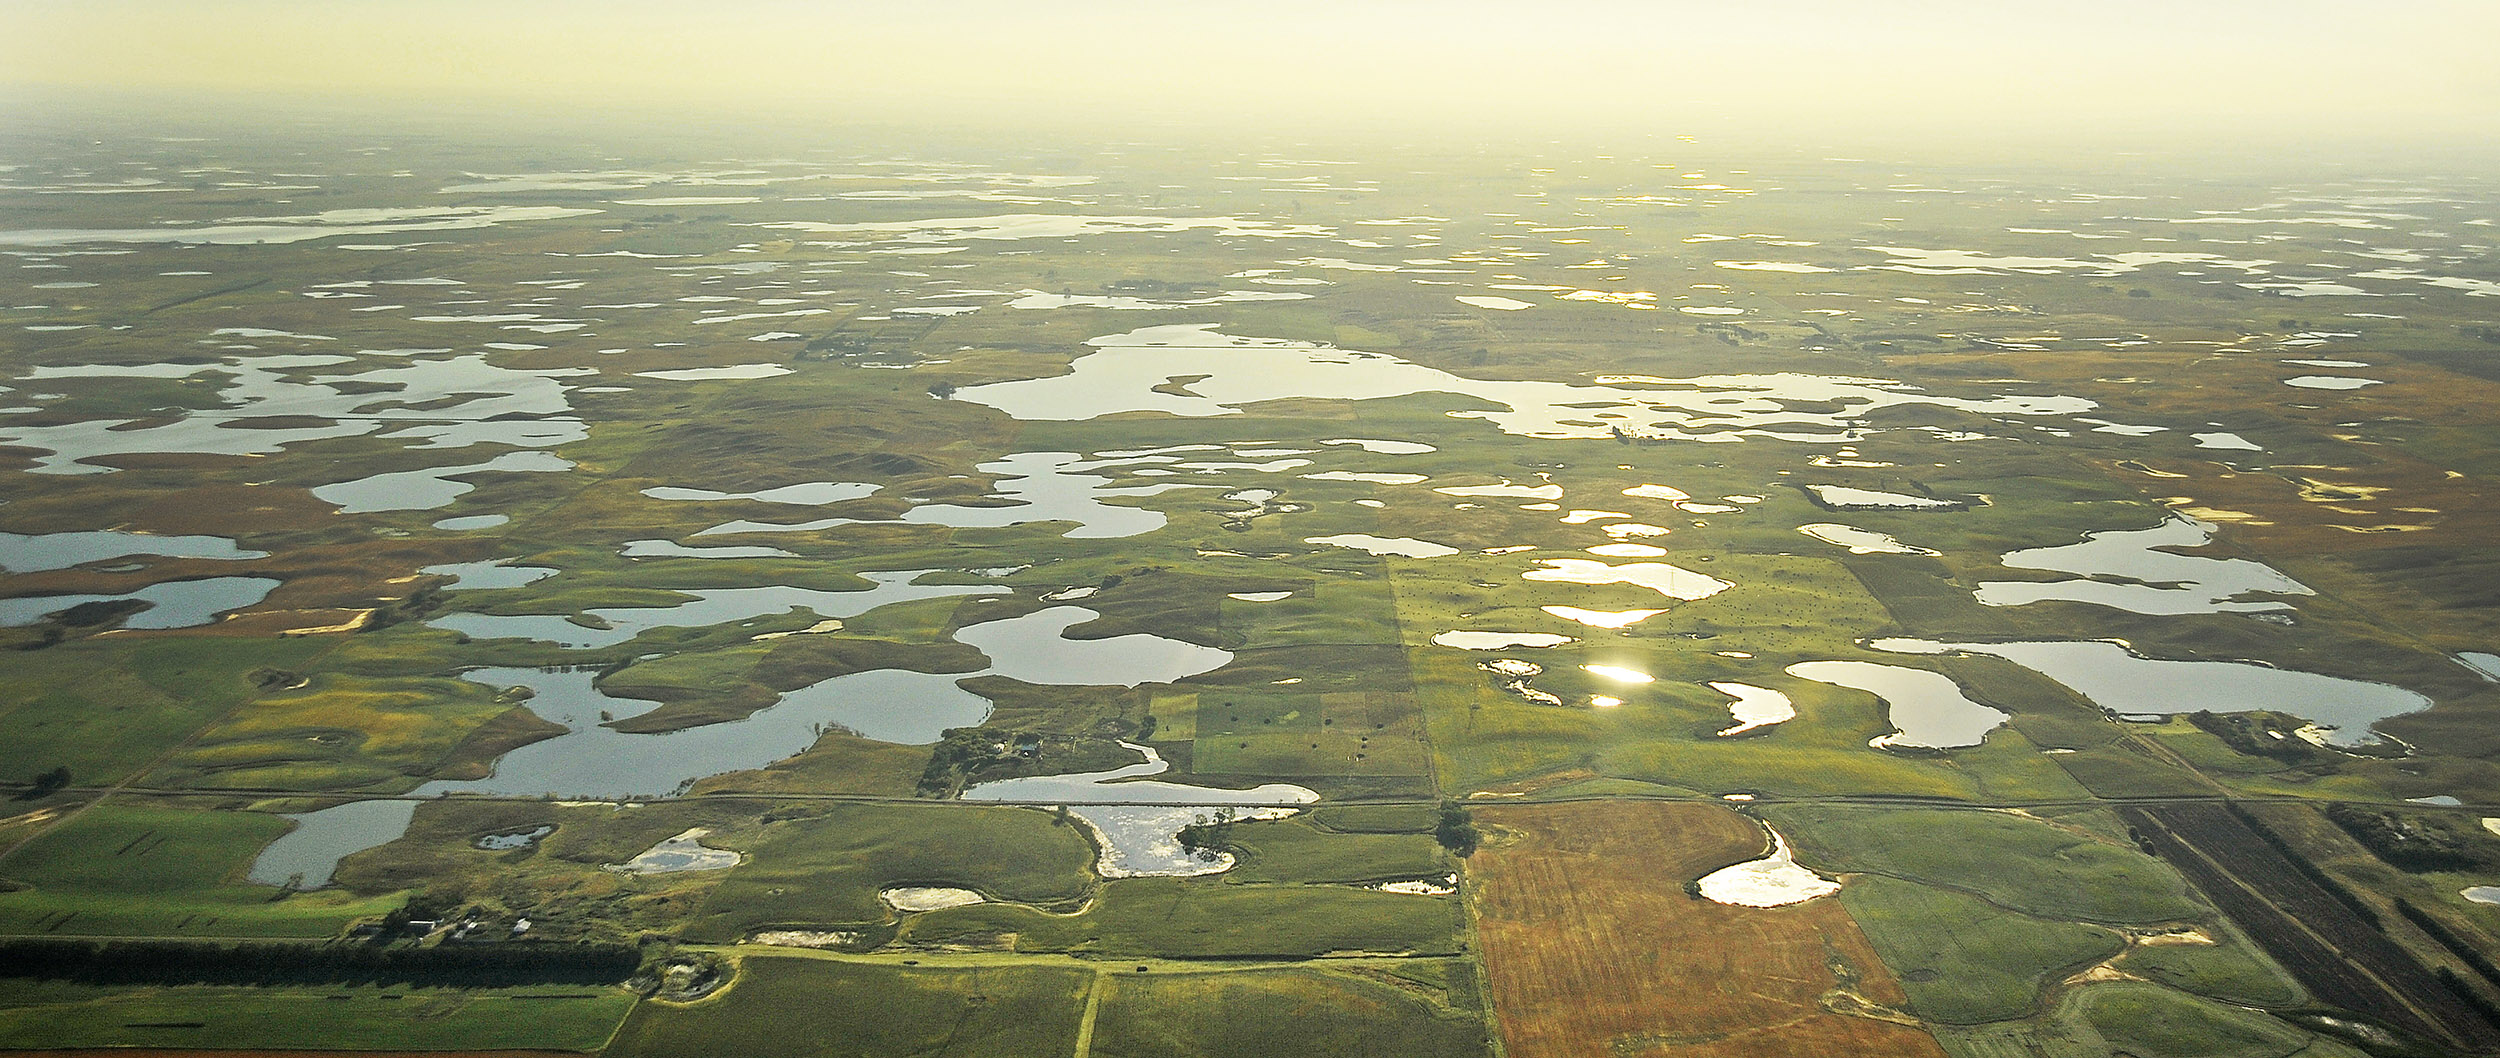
[[1594, 949]]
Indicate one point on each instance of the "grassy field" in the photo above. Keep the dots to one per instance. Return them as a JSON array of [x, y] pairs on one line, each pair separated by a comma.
[[1298, 850], [2232, 971], [103, 710], [2133, 1018], [2019, 862], [824, 868], [342, 732], [1355, 1009], [1210, 918], [54, 1016], [800, 1006], [561, 882], [1591, 944], [137, 870], [1964, 961], [2155, 1023]]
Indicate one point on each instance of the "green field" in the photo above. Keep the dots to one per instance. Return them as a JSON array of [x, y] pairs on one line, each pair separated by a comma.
[[1210, 918], [117, 870], [1964, 962], [824, 870], [1409, 1007], [50, 1015], [784, 1005], [2019, 862]]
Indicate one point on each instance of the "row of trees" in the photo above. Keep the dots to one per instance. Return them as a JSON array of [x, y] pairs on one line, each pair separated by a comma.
[[174, 962]]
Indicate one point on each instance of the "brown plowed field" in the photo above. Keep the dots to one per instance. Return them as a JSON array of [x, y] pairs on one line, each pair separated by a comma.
[[1592, 947], [2344, 960]]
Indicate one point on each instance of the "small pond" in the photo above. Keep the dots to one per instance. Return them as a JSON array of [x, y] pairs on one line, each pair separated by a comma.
[[1860, 541], [1601, 618], [425, 490], [1402, 547], [1754, 707], [928, 898], [1045, 487], [1498, 640], [685, 852], [1775, 880], [1844, 498], [1137, 821], [1674, 582], [517, 839]]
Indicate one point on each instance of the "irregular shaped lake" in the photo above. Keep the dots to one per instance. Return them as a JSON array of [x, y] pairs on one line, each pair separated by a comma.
[[1129, 372], [1754, 707], [706, 607], [1046, 487], [1927, 707], [21, 553], [2156, 580], [1137, 821], [2124, 682], [1674, 582], [1860, 541], [172, 604]]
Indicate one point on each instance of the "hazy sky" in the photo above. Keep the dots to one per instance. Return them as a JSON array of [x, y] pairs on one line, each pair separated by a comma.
[[2013, 66]]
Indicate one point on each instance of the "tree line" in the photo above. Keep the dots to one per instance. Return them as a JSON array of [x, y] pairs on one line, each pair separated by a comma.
[[175, 962]]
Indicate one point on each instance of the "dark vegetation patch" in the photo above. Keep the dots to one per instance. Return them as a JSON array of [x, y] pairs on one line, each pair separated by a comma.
[[2418, 841], [2316, 931], [167, 962]]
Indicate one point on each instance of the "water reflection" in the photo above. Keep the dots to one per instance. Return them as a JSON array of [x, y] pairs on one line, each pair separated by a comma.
[[1498, 640], [1776, 880], [172, 604], [425, 490], [684, 852], [705, 607], [1137, 821], [1046, 487], [2123, 682], [22, 553], [1130, 372], [1860, 541], [1754, 707], [1674, 582], [2155, 579], [1402, 547], [1928, 707]]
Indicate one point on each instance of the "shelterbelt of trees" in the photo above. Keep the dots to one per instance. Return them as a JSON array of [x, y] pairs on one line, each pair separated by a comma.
[[173, 962]]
